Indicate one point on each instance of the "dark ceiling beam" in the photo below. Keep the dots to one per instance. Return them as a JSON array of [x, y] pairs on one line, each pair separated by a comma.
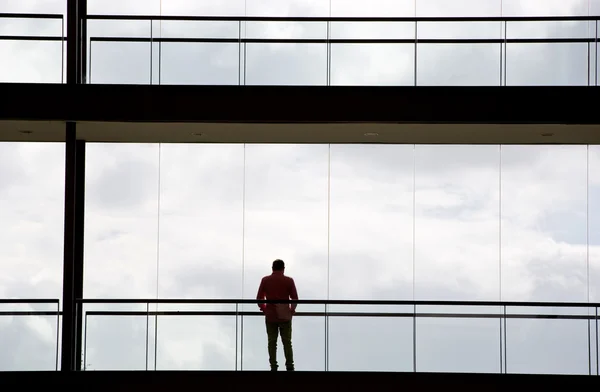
[[297, 104]]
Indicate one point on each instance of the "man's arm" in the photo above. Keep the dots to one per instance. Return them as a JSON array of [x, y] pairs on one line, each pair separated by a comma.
[[261, 294], [293, 294]]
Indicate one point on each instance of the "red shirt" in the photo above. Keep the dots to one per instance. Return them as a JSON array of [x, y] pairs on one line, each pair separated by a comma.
[[277, 286]]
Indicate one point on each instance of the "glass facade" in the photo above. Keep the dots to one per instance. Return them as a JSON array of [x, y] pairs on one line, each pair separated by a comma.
[[364, 222], [397, 222]]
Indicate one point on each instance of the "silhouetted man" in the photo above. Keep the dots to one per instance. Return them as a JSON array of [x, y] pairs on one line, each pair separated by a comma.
[[278, 317]]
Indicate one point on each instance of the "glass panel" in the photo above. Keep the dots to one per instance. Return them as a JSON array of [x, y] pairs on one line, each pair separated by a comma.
[[291, 30], [461, 344], [544, 223], [371, 343], [594, 249], [118, 342], [457, 222], [546, 346], [546, 64], [371, 222], [308, 340], [125, 7], [31, 61], [197, 29], [372, 30], [594, 223], [203, 342], [32, 186], [286, 218], [549, 29], [458, 8], [458, 64], [375, 8], [286, 64], [120, 62], [201, 224], [544, 8], [200, 63], [203, 7], [294, 8], [286, 194], [121, 220], [29, 341], [372, 64]]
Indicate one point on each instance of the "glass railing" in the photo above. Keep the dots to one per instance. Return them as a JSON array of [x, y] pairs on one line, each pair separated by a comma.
[[339, 335], [485, 51], [32, 48], [320, 51], [30, 331]]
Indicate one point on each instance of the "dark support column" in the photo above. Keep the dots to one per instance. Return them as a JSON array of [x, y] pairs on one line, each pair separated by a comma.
[[79, 237], [68, 300], [73, 44], [74, 198]]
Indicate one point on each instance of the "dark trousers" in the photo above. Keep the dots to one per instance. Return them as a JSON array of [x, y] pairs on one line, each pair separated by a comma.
[[273, 330]]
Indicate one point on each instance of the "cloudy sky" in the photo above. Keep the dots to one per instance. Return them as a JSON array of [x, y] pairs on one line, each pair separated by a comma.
[[513, 223]]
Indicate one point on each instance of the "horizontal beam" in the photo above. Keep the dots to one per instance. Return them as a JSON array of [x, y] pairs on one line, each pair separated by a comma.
[[344, 18], [13, 15], [28, 301], [346, 314], [338, 302], [301, 104], [335, 41]]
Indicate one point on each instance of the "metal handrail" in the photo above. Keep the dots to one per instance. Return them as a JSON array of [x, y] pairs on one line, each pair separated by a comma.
[[501, 315], [337, 302], [343, 18]]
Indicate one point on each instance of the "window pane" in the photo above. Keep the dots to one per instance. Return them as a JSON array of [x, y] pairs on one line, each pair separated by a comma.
[[286, 64], [31, 250], [594, 223], [458, 64], [371, 222], [544, 8], [286, 218], [201, 221], [457, 8], [457, 222], [546, 64], [124, 7], [31, 61], [374, 8], [372, 64], [121, 221], [32, 189], [544, 223], [120, 62]]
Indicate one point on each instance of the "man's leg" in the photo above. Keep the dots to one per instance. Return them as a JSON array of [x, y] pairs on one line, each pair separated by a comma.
[[272, 335], [286, 340]]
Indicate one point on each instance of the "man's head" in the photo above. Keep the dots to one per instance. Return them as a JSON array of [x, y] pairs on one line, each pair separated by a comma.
[[278, 265]]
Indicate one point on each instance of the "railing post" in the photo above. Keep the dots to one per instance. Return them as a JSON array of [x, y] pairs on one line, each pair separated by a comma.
[[505, 362], [414, 337]]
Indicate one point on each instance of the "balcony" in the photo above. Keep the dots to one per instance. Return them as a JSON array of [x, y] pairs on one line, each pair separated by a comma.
[[485, 337], [316, 51]]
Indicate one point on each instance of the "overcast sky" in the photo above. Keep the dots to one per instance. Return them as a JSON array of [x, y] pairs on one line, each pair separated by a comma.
[[351, 221]]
